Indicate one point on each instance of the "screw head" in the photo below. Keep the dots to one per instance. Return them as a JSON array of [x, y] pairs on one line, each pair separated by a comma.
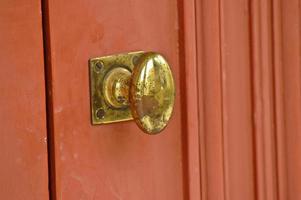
[[99, 65], [100, 113], [135, 60]]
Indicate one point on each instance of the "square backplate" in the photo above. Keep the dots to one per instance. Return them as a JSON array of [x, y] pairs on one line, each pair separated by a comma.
[[102, 112]]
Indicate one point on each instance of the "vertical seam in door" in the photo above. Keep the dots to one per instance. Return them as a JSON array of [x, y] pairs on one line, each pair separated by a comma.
[[274, 97], [222, 98], [48, 94], [181, 38], [299, 38], [299, 28], [198, 98], [187, 50], [252, 23], [279, 120]]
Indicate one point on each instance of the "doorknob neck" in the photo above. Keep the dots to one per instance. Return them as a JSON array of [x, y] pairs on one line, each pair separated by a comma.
[[116, 86]]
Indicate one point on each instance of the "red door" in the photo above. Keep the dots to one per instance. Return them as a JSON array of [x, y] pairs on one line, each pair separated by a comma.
[[23, 134], [117, 161], [235, 130]]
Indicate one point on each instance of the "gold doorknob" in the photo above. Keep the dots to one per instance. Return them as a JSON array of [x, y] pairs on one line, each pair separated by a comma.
[[135, 86]]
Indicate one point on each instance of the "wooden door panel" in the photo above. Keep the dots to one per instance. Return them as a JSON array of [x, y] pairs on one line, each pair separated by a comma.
[[210, 99], [235, 132], [115, 161], [236, 104], [289, 98], [224, 73], [235, 129], [249, 96], [23, 142]]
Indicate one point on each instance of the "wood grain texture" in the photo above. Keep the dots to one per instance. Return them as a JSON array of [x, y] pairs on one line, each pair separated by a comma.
[[23, 142], [118, 161]]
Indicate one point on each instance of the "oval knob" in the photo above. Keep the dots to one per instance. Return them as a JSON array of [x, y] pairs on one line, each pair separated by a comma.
[[148, 90], [152, 93]]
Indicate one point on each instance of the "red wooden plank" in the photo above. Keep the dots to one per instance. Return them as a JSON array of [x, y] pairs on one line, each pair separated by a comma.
[[291, 80], [279, 100], [23, 142], [188, 58], [263, 99], [209, 73], [236, 98]]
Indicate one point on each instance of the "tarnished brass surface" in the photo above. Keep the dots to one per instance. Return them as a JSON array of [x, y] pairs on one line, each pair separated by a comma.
[[134, 85], [102, 112], [116, 87], [152, 93]]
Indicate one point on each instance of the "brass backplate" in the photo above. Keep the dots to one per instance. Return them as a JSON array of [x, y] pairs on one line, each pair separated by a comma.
[[102, 112]]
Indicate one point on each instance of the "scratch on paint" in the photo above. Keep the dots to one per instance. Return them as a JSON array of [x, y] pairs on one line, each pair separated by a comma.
[[115, 193], [76, 177], [29, 130], [58, 109]]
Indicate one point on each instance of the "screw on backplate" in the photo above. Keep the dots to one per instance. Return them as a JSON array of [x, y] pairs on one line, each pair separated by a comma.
[[99, 65], [135, 60], [100, 113]]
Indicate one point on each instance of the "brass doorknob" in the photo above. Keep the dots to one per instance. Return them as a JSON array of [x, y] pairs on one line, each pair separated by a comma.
[[144, 86]]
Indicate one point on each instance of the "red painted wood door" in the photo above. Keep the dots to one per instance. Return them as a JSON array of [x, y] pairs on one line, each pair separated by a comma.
[[235, 131], [23, 136], [118, 161]]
